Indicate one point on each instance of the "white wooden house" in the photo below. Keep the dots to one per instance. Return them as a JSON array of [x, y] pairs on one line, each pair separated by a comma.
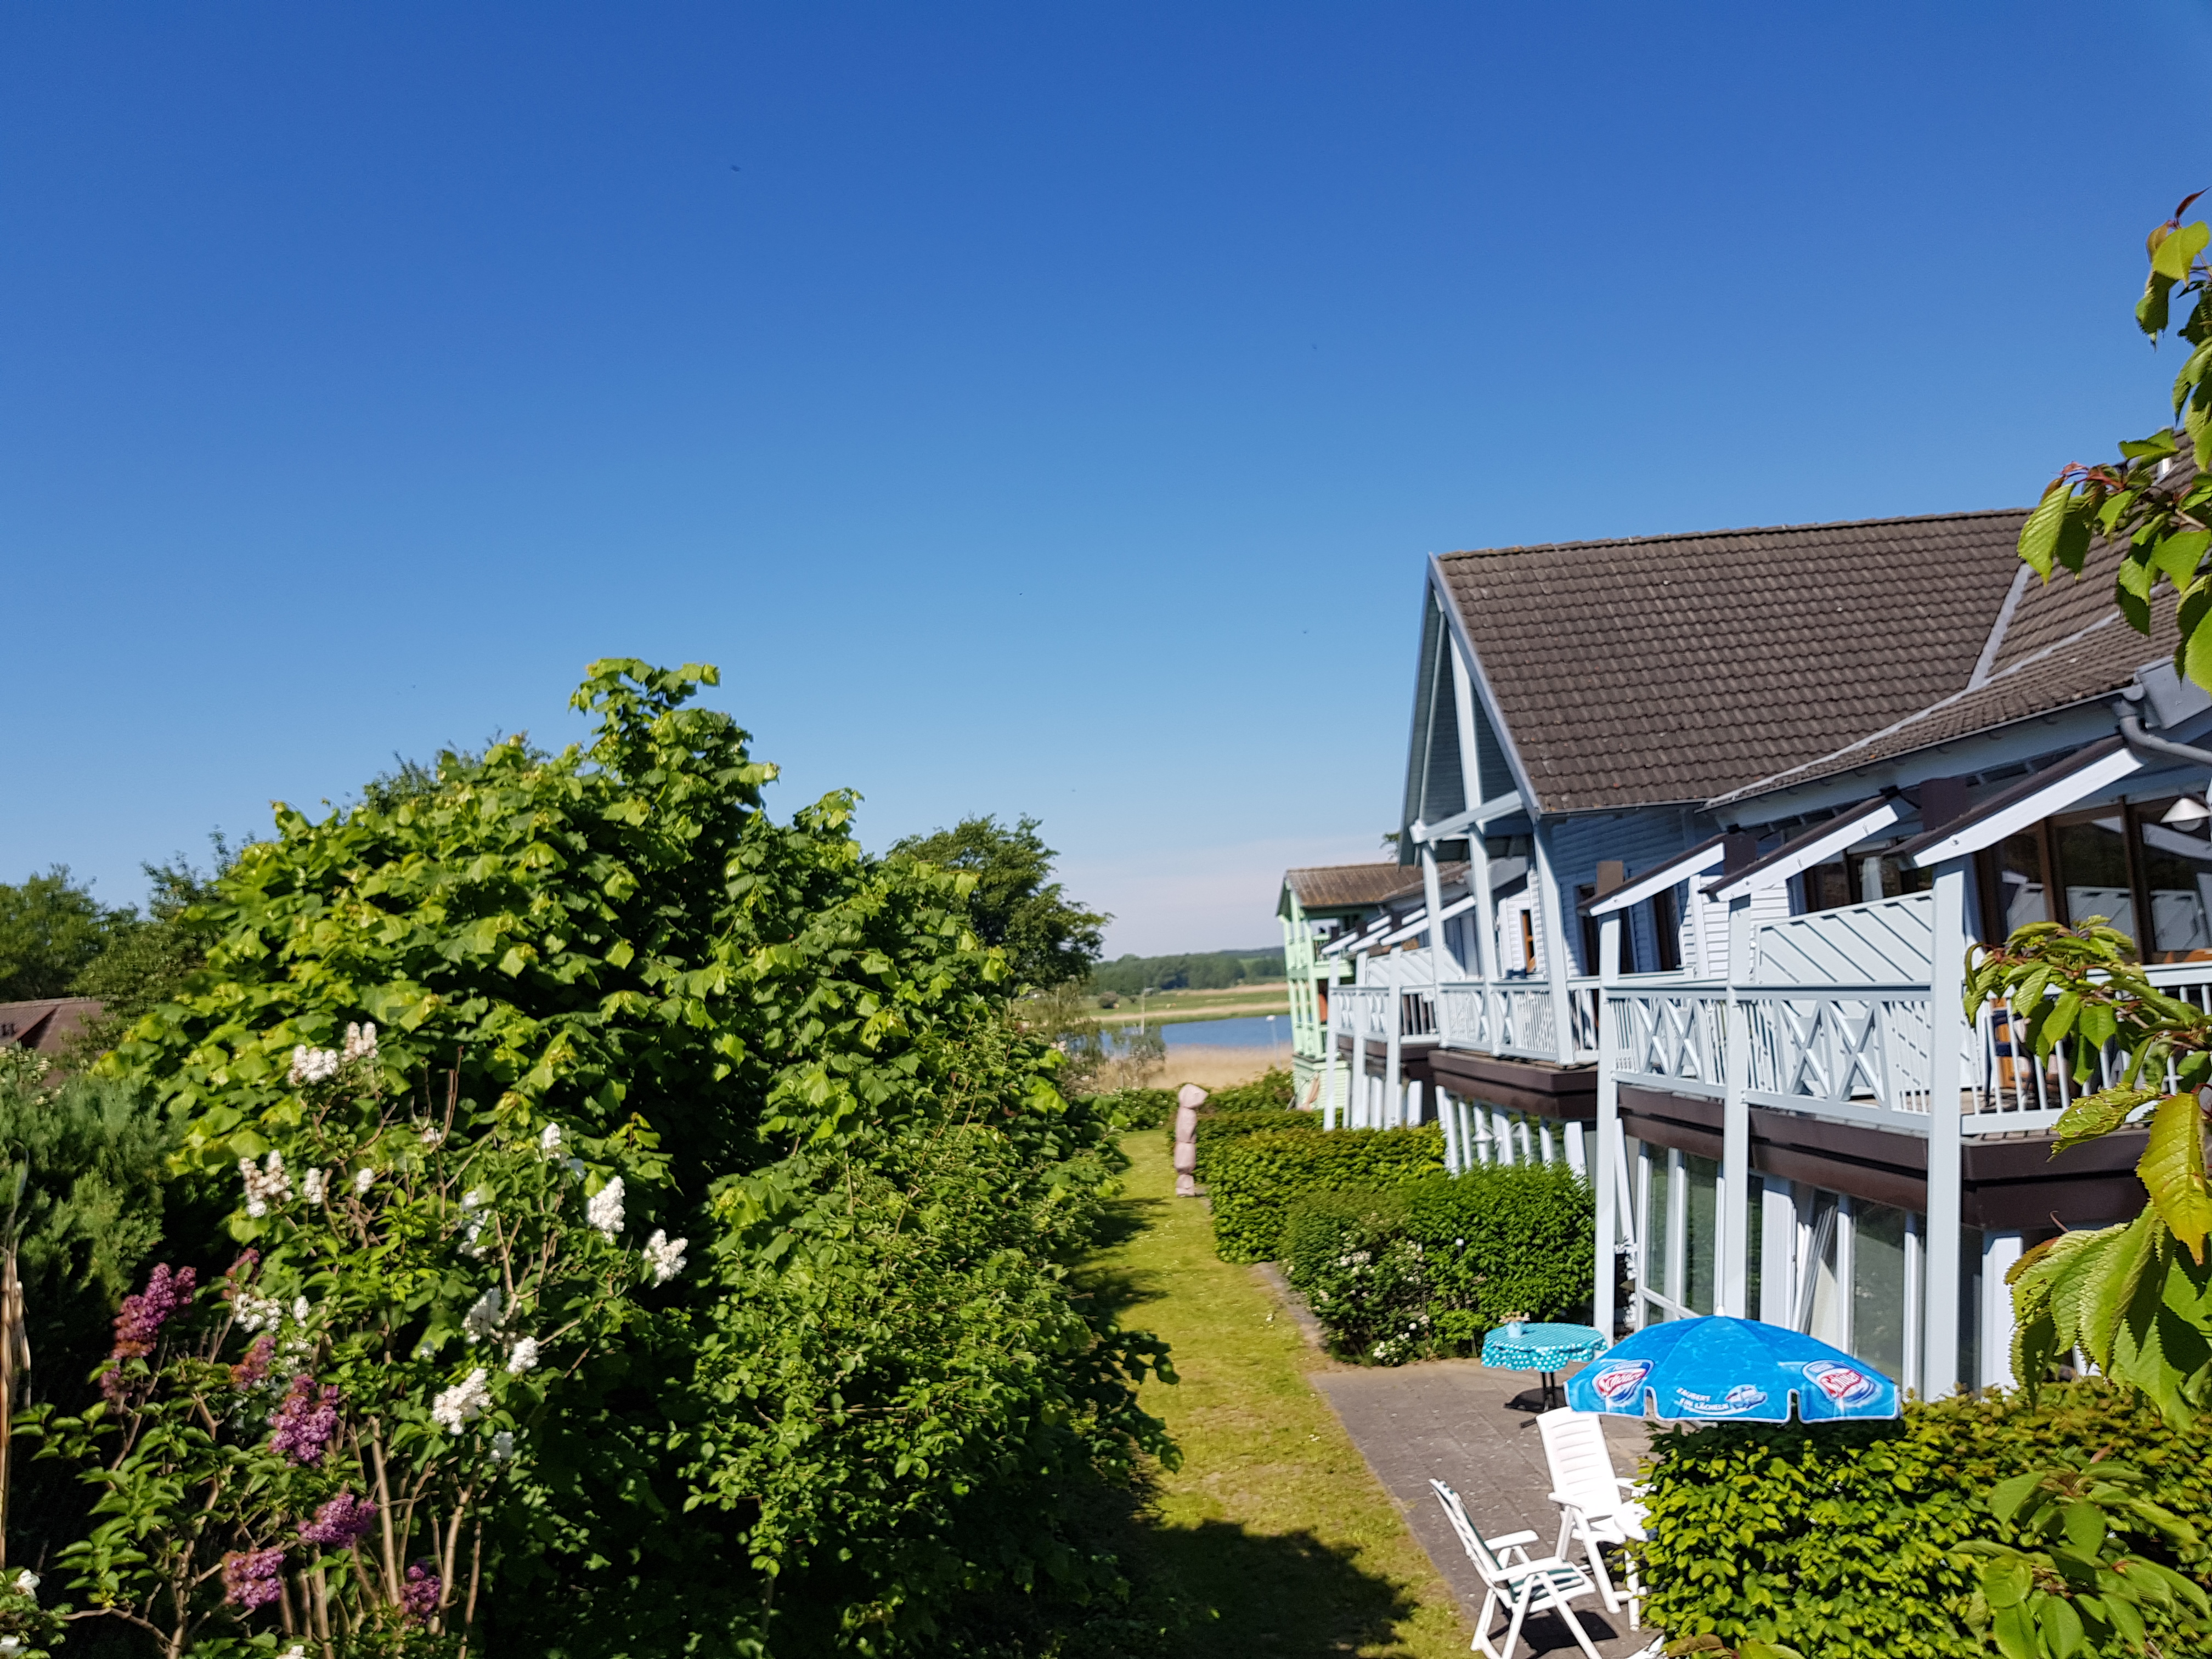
[[1731, 808]]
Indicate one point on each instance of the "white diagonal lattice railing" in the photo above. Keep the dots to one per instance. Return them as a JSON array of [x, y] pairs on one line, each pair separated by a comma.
[[1673, 1039]]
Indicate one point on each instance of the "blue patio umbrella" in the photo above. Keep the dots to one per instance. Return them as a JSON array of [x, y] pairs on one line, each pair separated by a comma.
[[1729, 1370]]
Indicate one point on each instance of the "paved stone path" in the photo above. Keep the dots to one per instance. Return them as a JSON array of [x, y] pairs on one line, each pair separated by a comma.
[[1474, 1429]]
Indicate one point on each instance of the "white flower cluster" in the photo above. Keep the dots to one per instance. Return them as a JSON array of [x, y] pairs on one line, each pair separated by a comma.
[[297, 1650], [432, 1135], [476, 1216], [664, 1255], [266, 1185], [502, 1446], [455, 1405], [314, 1186], [485, 1316], [363, 1179], [257, 1313], [605, 1210], [524, 1357], [548, 1139], [313, 1065], [361, 1041], [28, 1582]]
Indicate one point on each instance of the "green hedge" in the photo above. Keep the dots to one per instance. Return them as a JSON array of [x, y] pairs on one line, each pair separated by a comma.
[[1835, 1538], [1254, 1179], [1137, 1109], [1270, 1089], [1428, 1267], [1218, 1131]]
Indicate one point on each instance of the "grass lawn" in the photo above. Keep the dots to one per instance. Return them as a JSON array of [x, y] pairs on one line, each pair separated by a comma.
[[1273, 1530]]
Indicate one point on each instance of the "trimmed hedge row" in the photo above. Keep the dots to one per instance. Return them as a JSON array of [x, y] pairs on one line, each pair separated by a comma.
[[1218, 1131], [1836, 1539], [1254, 1179], [1426, 1268], [1269, 1091]]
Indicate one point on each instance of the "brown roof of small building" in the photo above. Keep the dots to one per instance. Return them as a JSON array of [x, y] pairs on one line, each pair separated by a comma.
[[1343, 886], [47, 1024], [1674, 669]]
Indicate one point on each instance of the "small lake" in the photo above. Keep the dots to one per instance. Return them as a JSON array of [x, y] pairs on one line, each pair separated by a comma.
[[1249, 1031]]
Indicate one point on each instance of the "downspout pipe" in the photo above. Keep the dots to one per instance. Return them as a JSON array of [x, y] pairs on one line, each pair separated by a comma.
[[2132, 733]]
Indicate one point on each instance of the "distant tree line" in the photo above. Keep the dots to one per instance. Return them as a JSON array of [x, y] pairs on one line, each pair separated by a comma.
[[1208, 971]]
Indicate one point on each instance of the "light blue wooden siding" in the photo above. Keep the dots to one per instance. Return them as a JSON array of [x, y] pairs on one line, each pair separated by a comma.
[[1639, 840]]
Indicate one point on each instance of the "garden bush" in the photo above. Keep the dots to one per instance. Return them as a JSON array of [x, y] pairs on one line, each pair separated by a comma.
[[1837, 1538], [1218, 1131], [1137, 1109], [1427, 1268], [815, 1381], [1270, 1090], [1255, 1179]]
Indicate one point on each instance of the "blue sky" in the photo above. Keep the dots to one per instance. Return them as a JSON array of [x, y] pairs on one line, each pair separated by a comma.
[[1030, 409]]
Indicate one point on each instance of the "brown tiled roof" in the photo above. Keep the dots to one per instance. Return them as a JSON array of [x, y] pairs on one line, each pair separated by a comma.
[[2065, 644], [1337, 886], [47, 1024], [1673, 669]]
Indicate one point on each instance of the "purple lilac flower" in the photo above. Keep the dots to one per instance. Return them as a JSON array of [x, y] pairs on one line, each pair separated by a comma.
[[304, 1422], [138, 1326], [144, 1315], [420, 1596], [253, 1578], [255, 1366], [340, 1522]]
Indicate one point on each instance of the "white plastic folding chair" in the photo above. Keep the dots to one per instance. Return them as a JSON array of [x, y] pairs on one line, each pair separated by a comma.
[[1515, 1582], [1595, 1507]]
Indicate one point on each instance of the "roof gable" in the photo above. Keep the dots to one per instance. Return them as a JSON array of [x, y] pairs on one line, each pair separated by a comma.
[[1671, 669]]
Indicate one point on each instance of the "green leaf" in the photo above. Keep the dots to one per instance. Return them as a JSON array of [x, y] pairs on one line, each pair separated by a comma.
[[2007, 1579], [2193, 657], [2062, 1628], [2171, 1169], [2131, 586], [2097, 1115], [2006, 1497], [2015, 1633], [2151, 310], [2038, 537], [2084, 1527], [2174, 254]]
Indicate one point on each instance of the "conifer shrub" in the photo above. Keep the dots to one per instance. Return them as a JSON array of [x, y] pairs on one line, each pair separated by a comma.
[[1255, 1179], [1838, 1538], [1426, 1268]]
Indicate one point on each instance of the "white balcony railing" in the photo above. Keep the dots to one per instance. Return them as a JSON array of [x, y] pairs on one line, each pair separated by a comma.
[[1855, 1052]]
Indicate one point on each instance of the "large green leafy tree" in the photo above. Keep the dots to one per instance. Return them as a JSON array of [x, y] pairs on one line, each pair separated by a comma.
[[873, 1401], [2136, 1298], [51, 929], [2155, 498], [1014, 903]]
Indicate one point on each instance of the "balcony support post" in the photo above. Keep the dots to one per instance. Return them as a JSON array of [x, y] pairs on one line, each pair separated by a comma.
[[1555, 947], [1329, 1107], [1734, 1199], [1947, 1042], [1607, 1265]]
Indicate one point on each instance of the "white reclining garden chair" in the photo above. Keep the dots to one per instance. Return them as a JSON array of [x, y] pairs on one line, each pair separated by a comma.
[[1514, 1582], [1595, 1507]]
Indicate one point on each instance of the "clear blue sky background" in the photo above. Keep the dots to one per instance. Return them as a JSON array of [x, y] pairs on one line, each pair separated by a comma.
[[1050, 415]]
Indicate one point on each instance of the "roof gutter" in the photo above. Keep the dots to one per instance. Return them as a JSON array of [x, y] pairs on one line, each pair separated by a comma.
[[2132, 732]]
